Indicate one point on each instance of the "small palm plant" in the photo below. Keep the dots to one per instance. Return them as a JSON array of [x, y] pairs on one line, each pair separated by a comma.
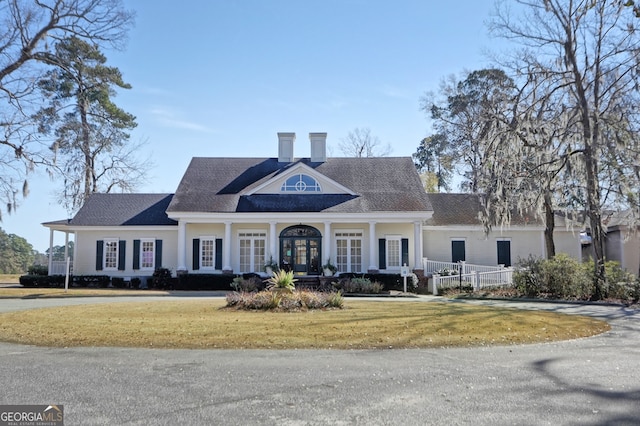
[[282, 280]]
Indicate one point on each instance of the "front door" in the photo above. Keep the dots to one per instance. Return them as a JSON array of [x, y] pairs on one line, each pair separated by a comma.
[[300, 250]]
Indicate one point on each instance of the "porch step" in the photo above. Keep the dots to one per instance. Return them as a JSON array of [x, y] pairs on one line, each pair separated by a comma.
[[314, 282]]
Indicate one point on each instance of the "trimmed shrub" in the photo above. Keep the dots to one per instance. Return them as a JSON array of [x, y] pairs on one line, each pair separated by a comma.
[[38, 270], [247, 285], [388, 281], [205, 282], [33, 281], [360, 285], [43, 281], [92, 281], [162, 279]]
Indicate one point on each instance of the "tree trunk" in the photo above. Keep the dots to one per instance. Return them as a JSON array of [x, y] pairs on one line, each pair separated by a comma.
[[549, 225], [86, 148], [595, 222]]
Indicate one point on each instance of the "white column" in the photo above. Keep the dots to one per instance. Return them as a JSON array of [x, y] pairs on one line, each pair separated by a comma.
[[50, 250], [326, 243], [75, 247], [182, 246], [373, 263], [226, 255], [417, 245], [66, 246], [273, 250]]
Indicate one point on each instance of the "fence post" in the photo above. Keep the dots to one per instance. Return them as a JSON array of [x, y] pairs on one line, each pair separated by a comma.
[[436, 279], [463, 266], [476, 276]]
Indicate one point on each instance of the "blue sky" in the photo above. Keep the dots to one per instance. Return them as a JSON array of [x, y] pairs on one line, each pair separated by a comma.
[[221, 78]]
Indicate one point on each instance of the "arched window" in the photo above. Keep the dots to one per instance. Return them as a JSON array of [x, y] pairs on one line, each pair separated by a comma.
[[301, 183]]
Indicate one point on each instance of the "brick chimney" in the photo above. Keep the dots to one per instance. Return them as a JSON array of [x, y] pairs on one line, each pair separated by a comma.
[[318, 147], [285, 147]]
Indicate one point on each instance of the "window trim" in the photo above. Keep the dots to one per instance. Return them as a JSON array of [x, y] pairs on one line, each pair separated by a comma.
[[289, 187], [397, 238], [213, 252], [153, 256], [263, 235], [360, 236], [106, 242]]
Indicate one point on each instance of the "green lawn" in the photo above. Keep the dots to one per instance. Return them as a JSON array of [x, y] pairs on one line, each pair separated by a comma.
[[360, 325]]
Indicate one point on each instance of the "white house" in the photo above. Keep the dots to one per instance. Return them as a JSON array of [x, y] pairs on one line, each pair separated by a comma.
[[454, 232], [231, 215]]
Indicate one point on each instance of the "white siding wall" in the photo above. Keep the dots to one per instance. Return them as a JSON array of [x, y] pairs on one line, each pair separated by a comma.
[[482, 249], [85, 256]]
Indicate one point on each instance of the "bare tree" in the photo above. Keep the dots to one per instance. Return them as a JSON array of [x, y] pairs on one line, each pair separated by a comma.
[[360, 143], [586, 53], [28, 32]]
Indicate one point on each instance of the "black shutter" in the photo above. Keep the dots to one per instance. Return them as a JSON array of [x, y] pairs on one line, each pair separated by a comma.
[[382, 253], [122, 252], [99, 254], [504, 253], [457, 251], [136, 254], [405, 251], [196, 254], [218, 253], [158, 254]]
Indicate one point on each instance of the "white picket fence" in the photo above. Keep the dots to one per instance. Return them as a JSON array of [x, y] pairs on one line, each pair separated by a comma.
[[433, 266], [477, 280], [59, 267]]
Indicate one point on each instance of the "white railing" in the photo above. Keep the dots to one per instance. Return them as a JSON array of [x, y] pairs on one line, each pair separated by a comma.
[[59, 267], [477, 280], [431, 266]]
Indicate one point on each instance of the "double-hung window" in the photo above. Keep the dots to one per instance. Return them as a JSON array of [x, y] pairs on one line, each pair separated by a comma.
[[110, 254], [394, 252], [147, 253], [207, 252]]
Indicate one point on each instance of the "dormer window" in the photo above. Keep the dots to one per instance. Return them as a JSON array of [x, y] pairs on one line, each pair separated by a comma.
[[300, 183]]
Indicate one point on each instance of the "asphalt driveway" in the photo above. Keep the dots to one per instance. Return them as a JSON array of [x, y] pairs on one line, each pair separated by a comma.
[[592, 381]]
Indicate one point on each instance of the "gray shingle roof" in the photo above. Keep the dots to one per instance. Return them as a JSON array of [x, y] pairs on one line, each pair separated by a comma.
[[464, 209], [383, 184], [124, 210]]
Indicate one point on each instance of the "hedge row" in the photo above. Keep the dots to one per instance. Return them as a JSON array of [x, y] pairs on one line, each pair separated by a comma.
[[390, 281], [157, 281], [58, 281], [162, 279]]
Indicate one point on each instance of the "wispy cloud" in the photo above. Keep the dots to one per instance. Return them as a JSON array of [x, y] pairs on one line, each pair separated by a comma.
[[395, 92], [168, 118]]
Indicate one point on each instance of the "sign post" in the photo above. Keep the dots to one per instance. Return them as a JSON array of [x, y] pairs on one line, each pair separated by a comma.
[[66, 276], [404, 271]]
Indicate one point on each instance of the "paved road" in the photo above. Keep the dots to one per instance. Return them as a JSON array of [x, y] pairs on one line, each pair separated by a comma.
[[593, 381]]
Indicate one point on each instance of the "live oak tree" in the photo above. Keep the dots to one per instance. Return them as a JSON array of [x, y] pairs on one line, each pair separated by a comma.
[[584, 54], [17, 254], [464, 111], [91, 132], [29, 31], [507, 145]]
